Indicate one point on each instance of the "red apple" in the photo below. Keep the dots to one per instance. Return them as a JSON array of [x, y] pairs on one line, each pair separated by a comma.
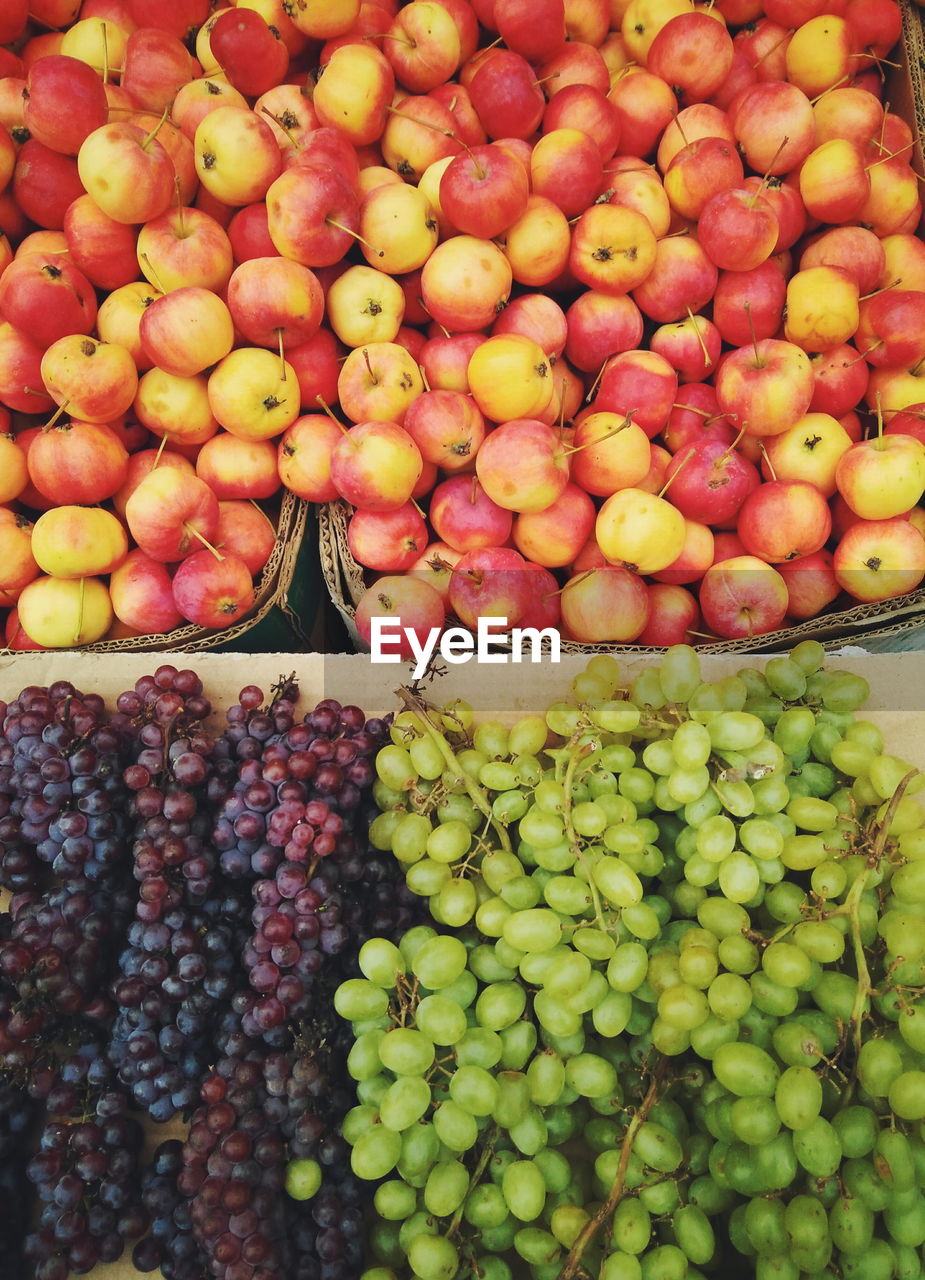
[[784, 519], [554, 537], [522, 465], [710, 480], [376, 465], [673, 615], [491, 582], [638, 383], [811, 584], [245, 530], [463, 515], [880, 559], [765, 388], [605, 606], [409, 603], [389, 541], [211, 591], [743, 597], [78, 462], [141, 591], [168, 512]]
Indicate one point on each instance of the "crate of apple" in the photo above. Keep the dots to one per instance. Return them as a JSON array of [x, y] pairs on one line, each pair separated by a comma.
[[600, 314]]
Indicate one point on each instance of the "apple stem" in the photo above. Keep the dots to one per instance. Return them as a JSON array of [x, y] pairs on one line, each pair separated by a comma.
[[553, 75], [730, 448], [160, 449], [55, 416], [885, 288], [683, 463], [577, 448], [767, 53], [702, 413], [596, 383], [80, 610], [180, 218], [330, 412], [751, 328], [767, 173], [332, 222], [679, 125], [891, 155], [572, 582], [700, 338], [864, 354], [146, 142], [419, 509], [280, 125], [105, 51], [191, 529], [424, 377], [157, 284], [282, 354], [481, 172], [369, 366], [767, 457], [425, 124], [838, 83]]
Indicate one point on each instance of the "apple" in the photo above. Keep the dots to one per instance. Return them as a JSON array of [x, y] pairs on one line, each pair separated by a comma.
[[177, 408], [775, 126], [185, 247], [61, 613], [644, 105], [784, 519], [47, 298], [855, 249], [435, 566], [695, 415], [701, 120], [882, 477], [809, 450], [537, 243], [103, 249], [891, 328], [693, 53], [822, 309], [141, 593], [169, 512], [444, 360], [253, 394], [245, 530], [491, 582], [910, 422], [811, 584], [213, 591], [544, 609], [465, 517], [398, 226], [78, 462], [465, 282], [186, 331], [483, 191], [388, 541], [16, 639], [273, 300], [694, 558], [19, 564], [839, 380], [749, 302], [236, 468], [600, 325], [765, 388], [139, 465], [640, 384], [409, 602], [691, 346], [743, 597], [237, 159], [738, 229], [128, 172], [506, 95], [584, 107], [419, 131], [682, 279], [554, 537], [375, 465], [903, 262], [699, 171], [566, 167], [14, 468], [304, 457], [510, 377], [447, 428], [710, 480], [613, 248], [879, 559], [78, 542], [639, 530], [606, 605], [834, 182], [522, 465], [379, 381], [95, 381], [673, 615]]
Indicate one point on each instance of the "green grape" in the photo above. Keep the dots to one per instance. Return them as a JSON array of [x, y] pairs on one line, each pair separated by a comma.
[[786, 965], [474, 1089], [381, 961], [637, 785], [541, 828], [716, 838], [395, 768], [395, 1200], [446, 1188], [754, 1121], [440, 1019], [817, 1147], [746, 1070], [375, 1153], [427, 758], [449, 842], [500, 1004], [657, 1147], [513, 1099], [521, 893], [359, 1000], [786, 678], [524, 1190], [617, 881], [458, 807], [485, 1206], [642, 921], [406, 1051], [456, 1128], [382, 828], [844, 691], [456, 902], [907, 1095], [621, 1266], [879, 1064], [427, 877], [404, 1102], [533, 929], [798, 1097], [529, 1135], [433, 1257]]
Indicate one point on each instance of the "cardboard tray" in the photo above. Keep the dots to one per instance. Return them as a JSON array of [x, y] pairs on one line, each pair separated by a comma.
[[896, 704], [344, 577]]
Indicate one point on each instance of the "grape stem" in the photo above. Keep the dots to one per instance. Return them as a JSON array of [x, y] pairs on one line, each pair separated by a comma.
[[605, 1212], [572, 834], [851, 910], [418, 709], [487, 1152]]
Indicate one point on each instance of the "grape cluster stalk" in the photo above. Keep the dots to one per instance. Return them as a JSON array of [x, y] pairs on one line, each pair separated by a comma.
[[667, 1019]]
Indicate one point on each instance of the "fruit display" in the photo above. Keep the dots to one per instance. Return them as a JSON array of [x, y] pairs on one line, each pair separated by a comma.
[[604, 314], [624, 985]]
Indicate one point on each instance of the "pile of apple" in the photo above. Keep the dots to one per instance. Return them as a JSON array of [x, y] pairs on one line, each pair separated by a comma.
[[628, 293]]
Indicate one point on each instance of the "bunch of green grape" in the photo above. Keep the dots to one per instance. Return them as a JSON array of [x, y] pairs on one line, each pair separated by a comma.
[[670, 1012]]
